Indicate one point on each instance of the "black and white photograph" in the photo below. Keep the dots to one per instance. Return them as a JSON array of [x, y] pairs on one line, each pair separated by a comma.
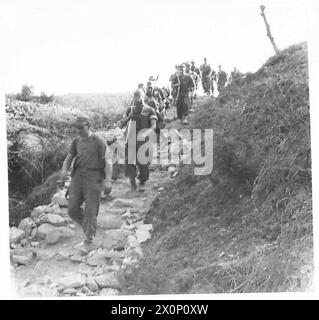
[[157, 148]]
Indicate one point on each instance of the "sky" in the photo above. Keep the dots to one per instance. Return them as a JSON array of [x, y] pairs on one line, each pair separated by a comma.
[[83, 46]]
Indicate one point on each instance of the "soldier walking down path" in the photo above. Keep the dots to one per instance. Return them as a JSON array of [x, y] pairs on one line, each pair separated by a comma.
[[92, 172], [206, 72], [141, 120], [183, 97]]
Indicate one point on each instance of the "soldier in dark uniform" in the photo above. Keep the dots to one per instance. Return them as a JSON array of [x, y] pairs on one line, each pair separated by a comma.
[[196, 73], [222, 79], [206, 72], [213, 78], [174, 83], [145, 119], [235, 76], [92, 171], [183, 96]]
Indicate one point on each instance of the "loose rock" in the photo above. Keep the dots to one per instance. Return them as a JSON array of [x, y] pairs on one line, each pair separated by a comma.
[[37, 211], [97, 259], [108, 280], [16, 235], [26, 225], [58, 234], [44, 229], [23, 259], [72, 281], [91, 284], [55, 220], [77, 258], [69, 291], [109, 292], [59, 198], [115, 238], [123, 203]]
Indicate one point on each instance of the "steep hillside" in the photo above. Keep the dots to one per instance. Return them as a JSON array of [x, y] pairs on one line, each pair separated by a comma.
[[247, 227]]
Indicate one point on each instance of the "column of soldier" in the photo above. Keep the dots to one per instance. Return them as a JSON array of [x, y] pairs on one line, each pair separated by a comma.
[[183, 89]]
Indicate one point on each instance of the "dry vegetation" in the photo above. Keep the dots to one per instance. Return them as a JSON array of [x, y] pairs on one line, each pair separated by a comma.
[[248, 226], [38, 138]]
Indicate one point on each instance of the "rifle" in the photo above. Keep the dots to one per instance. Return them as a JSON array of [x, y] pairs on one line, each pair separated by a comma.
[[179, 86], [129, 125]]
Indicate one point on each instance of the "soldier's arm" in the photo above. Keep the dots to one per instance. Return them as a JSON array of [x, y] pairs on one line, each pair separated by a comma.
[[66, 165], [177, 83], [68, 160], [126, 118], [191, 84]]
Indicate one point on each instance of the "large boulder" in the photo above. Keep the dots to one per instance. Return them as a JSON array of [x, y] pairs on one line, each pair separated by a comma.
[[16, 235], [59, 198], [58, 234], [26, 225], [44, 229], [37, 211], [55, 220]]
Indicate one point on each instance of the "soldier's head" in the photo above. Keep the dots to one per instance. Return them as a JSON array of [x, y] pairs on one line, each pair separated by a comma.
[[219, 67], [138, 97], [140, 86], [205, 60], [81, 126], [181, 69], [192, 62]]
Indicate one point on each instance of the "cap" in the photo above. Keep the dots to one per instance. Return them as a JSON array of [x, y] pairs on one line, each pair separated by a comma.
[[187, 64], [80, 122], [181, 66]]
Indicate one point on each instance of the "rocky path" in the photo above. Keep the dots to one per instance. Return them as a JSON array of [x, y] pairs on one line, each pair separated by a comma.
[[45, 261], [43, 250]]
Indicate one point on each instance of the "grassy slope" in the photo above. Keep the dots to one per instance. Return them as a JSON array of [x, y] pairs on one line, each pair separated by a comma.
[[248, 226]]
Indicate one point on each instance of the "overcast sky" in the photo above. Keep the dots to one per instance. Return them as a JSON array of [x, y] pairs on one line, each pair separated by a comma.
[[111, 46]]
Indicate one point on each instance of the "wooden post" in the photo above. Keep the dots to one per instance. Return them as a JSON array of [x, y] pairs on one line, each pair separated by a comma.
[[262, 8]]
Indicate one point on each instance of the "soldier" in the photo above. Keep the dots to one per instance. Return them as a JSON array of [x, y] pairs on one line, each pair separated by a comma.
[[196, 73], [189, 72], [188, 68], [183, 95], [174, 83], [222, 79], [155, 92], [235, 76], [206, 76], [141, 87], [92, 171], [145, 122], [213, 78]]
